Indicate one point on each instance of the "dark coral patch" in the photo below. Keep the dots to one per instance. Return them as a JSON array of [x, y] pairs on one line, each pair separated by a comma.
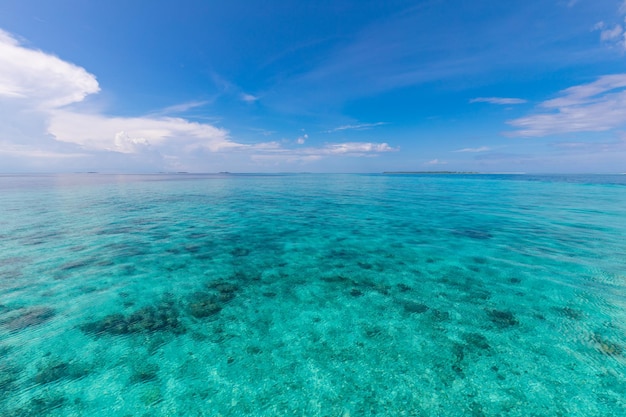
[[225, 291], [144, 372], [570, 313], [163, 317], [606, 347], [204, 305], [29, 317], [502, 318], [355, 292], [414, 307], [338, 279], [57, 370], [8, 378], [223, 286], [473, 234], [476, 340], [153, 319], [440, 316], [240, 252]]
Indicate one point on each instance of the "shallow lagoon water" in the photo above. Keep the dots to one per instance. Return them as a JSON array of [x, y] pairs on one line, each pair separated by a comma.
[[313, 295]]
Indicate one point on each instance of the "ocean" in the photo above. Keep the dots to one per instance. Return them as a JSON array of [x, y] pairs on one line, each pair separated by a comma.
[[312, 295]]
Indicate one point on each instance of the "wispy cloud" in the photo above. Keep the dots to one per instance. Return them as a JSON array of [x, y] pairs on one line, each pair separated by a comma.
[[592, 147], [613, 34], [181, 108], [307, 155], [498, 100], [248, 98], [263, 132], [474, 150], [360, 126], [434, 162], [378, 58], [594, 107]]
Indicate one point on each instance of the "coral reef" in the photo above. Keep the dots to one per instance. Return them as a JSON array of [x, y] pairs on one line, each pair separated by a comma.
[[54, 370], [29, 317], [163, 317]]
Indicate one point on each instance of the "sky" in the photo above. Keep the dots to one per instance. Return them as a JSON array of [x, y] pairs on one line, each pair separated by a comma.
[[323, 86]]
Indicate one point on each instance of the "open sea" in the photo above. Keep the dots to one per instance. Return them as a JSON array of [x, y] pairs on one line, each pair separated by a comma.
[[312, 295]]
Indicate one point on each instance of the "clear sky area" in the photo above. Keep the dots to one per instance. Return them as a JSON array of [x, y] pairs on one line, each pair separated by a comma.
[[313, 86]]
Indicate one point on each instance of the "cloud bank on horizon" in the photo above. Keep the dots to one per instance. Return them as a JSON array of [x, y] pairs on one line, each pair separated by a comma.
[[57, 116]]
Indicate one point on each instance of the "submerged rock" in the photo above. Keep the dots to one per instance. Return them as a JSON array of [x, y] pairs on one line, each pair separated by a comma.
[[29, 317]]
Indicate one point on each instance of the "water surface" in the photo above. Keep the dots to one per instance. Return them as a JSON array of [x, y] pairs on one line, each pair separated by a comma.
[[316, 295]]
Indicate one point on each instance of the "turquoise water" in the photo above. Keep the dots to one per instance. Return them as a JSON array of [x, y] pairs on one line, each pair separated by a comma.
[[312, 295]]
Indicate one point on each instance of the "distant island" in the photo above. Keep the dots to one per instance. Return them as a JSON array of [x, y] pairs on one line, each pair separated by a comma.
[[431, 172]]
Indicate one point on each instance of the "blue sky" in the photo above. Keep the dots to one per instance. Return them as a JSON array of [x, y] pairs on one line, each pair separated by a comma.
[[324, 86]]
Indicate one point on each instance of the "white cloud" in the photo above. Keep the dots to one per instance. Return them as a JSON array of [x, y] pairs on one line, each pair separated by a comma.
[[498, 100], [38, 131], [357, 148], [248, 98], [610, 34], [130, 134], [616, 35], [40, 79], [593, 107], [435, 162], [360, 126], [474, 150], [599, 26], [312, 154]]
